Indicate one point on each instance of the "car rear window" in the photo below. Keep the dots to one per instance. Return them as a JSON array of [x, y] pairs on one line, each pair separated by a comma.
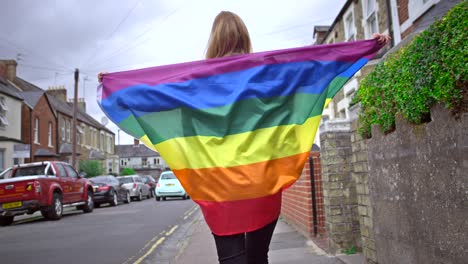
[[167, 176], [101, 179], [30, 171], [126, 180]]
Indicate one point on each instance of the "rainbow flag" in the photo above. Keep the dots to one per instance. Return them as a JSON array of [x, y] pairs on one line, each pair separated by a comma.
[[236, 130]]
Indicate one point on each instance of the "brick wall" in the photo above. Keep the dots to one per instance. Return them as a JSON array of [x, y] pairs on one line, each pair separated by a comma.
[[402, 10], [297, 206]]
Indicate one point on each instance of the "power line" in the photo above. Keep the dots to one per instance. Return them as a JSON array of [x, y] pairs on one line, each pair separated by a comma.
[[20, 48], [128, 45], [112, 33], [43, 68]]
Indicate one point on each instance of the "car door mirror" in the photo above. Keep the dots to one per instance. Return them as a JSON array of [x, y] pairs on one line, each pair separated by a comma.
[[82, 174]]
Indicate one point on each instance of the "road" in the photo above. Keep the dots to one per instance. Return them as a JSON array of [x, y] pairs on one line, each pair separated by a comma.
[[139, 232]]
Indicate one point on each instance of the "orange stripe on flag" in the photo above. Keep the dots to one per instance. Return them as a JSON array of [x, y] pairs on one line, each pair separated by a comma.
[[242, 182]]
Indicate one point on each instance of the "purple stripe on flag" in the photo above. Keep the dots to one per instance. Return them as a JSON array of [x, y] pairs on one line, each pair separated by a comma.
[[343, 52]]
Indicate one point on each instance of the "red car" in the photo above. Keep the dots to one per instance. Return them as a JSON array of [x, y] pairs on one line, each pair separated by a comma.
[[46, 186]]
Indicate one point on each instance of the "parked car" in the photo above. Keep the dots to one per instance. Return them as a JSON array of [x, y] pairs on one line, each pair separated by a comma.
[[134, 183], [169, 186], [107, 189], [47, 186], [148, 179]]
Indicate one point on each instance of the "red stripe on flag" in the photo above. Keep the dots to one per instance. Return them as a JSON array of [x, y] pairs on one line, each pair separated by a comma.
[[235, 217]]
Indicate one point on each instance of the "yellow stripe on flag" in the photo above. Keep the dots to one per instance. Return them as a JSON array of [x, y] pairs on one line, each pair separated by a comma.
[[240, 149]]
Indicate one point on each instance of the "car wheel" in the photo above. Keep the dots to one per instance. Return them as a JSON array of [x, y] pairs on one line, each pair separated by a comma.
[[115, 199], [6, 220], [96, 205], [55, 210], [164, 198], [128, 199], [89, 206], [140, 196], [158, 198]]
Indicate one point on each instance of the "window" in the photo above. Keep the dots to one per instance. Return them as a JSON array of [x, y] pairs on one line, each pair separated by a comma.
[[3, 120], [36, 130], [2, 159], [62, 129], [3, 106], [68, 131], [122, 162], [350, 32], [144, 161], [109, 144], [70, 171], [417, 7], [370, 18], [101, 147], [61, 170], [50, 135]]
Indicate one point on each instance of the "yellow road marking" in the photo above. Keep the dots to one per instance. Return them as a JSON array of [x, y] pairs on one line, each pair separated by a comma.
[[190, 212], [172, 230], [150, 250]]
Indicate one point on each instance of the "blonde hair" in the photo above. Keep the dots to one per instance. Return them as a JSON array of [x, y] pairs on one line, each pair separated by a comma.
[[229, 36]]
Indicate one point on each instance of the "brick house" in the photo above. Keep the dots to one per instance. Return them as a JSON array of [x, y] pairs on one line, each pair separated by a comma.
[[39, 126], [348, 208], [48, 116]]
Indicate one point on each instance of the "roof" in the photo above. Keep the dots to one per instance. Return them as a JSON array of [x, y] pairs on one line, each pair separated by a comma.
[[32, 97], [67, 109], [44, 153], [134, 151], [26, 86], [8, 89]]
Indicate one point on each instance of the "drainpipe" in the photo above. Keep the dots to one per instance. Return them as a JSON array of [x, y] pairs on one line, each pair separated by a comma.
[[314, 200]]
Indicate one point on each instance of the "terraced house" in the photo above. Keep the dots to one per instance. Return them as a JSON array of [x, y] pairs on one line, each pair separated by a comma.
[[45, 126]]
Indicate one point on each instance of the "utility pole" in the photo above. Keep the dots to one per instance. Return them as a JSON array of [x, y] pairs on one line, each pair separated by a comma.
[[75, 112]]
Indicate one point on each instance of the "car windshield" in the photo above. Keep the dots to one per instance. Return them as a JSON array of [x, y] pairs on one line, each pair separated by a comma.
[[126, 180], [167, 176]]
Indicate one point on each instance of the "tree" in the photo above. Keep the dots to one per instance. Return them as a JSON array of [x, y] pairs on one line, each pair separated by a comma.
[[127, 171], [91, 168]]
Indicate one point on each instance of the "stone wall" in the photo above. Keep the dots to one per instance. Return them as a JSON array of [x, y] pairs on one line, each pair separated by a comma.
[[339, 189], [418, 188], [360, 175]]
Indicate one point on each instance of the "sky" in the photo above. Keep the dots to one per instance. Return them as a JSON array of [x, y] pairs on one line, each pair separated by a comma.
[[51, 38]]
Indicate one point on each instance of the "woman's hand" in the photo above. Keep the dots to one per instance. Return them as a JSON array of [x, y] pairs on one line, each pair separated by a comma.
[[381, 38], [100, 75]]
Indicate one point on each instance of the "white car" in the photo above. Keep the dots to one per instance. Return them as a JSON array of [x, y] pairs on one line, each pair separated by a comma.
[[169, 186]]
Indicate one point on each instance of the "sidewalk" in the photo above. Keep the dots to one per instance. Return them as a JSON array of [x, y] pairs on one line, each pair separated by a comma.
[[287, 246]]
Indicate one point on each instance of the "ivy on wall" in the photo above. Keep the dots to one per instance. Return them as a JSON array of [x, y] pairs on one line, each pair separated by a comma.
[[432, 68]]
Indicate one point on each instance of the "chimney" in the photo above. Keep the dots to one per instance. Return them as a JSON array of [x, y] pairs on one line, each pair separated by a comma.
[[58, 92], [8, 69], [81, 104], [136, 142], [320, 33]]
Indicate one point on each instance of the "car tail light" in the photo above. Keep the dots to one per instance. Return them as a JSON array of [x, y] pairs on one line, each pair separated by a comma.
[[103, 188], [134, 185], [159, 185]]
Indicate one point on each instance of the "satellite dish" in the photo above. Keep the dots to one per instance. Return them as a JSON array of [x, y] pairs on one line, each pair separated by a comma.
[[104, 121]]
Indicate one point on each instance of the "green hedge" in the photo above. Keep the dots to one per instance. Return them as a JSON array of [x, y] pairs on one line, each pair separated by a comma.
[[432, 68]]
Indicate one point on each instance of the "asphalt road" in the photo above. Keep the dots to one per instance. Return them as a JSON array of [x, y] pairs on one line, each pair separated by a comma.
[[139, 232]]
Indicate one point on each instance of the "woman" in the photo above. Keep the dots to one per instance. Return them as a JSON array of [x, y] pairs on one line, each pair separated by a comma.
[[229, 36]]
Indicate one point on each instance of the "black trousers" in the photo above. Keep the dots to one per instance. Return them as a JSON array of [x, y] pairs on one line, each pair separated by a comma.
[[245, 248]]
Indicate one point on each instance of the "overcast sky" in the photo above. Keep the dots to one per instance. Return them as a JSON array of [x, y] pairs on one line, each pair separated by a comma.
[[50, 38]]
